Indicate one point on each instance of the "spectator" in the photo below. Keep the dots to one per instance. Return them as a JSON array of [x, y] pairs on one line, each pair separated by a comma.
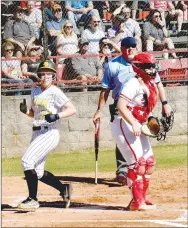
[[54, 27], [79, 11], [48, 13], [11, 69], [175, 14], [19, 32], [84, 68], [105, 48], [130, 4], [183, 5], [132, 26], [29, 67], [67, 42], [161, 6], [118, 30], [169, 7], [34, 17], [156, 34], [93, 34]]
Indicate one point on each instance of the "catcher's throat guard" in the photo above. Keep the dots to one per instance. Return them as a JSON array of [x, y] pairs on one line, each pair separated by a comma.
[[157, 128]]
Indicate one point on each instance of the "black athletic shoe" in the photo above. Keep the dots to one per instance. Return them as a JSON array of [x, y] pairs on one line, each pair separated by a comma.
[[66, 195]]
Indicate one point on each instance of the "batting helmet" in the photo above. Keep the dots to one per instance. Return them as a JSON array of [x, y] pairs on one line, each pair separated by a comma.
[[143, 61], [47, 64]]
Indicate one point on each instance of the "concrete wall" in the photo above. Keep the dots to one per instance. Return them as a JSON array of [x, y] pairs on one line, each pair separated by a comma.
[[77, 132]]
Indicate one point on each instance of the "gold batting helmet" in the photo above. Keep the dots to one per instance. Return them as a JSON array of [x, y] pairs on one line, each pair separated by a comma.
[[47, 64]]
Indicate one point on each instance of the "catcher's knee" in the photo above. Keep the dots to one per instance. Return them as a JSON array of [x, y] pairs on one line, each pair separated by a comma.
[[150, 165], [137, 169]]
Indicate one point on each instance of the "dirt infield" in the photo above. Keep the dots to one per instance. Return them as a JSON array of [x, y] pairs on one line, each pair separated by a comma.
[[101, 205]]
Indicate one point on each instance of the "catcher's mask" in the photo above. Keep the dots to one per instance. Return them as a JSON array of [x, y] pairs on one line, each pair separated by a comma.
[[145, 65], [47, 66]]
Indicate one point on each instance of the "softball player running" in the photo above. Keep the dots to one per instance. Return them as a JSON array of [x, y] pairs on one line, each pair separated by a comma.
[[48, 105], [136, 101]]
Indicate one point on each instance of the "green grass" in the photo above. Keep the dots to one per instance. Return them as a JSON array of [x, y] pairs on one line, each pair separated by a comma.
[[167, 157]]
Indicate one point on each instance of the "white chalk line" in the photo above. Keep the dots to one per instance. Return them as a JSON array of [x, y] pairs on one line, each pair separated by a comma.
[[162, 222]]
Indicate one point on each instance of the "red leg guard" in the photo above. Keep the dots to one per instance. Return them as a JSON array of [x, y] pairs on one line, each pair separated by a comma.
[[135, 182], [150, 165]]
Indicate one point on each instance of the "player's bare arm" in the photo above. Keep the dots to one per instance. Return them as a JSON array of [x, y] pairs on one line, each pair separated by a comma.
[[166, 108], [103, 97]]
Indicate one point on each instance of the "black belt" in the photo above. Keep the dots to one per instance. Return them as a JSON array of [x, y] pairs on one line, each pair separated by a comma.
[[38, 128]]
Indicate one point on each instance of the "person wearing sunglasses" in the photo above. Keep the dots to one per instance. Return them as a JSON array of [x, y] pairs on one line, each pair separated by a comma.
[[67, 42], [93, 34], [79, 11], [11, 69], [116, 72], [156, 35], [30, 66], [54, 27], [19, 32], [136, 101]]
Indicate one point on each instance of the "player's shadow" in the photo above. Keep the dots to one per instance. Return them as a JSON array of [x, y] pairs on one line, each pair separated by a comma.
[[81, 206], [61, 204], [7, 207], [89, 180]]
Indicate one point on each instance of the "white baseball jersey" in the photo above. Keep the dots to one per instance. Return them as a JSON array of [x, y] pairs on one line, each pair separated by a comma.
[[133, 147], [46, 102], [49, 101]]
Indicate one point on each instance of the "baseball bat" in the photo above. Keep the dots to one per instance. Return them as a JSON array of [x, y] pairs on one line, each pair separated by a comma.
[[97, 131]]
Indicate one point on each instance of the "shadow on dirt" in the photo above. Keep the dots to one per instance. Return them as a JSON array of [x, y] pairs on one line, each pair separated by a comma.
[[89, 180], [61, 204]]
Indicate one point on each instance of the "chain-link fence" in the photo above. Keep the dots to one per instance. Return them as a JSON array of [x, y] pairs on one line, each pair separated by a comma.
[[81, 37]]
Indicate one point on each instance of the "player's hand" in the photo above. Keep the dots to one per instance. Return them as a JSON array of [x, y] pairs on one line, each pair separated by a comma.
[[166, 110], [96, 116], [136, 129], [51, 117], [23, 106]]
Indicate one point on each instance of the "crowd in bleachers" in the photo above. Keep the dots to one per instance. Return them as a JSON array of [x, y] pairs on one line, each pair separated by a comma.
[[79, 27]]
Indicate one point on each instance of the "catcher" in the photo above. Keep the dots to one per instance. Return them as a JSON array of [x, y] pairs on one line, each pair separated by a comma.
[[136, 102]]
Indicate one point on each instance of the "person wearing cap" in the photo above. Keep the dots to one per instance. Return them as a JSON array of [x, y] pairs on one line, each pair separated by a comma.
[[19, 32], [83, 67], [54, 27], [118, 30], [117, 72]]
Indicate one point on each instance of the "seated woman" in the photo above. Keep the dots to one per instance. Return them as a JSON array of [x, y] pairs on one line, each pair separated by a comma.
[[11, 69], [155, 34], [30, 66], [67, 42]]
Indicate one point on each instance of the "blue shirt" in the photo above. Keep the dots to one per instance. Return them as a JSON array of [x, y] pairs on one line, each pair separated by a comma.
[[77, 4], [116, 73], [55, 25]]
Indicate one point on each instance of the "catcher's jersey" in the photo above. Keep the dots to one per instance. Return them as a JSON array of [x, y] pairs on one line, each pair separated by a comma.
[[142, 99], [49, 101]]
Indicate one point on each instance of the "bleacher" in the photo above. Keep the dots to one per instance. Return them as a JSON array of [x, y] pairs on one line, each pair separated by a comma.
[[173, 72]]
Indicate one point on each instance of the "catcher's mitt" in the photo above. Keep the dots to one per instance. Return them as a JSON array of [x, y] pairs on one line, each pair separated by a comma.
[[157, 128], [152, 128]]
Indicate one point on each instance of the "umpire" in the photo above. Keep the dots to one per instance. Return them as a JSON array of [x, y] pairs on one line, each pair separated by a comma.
[[116, 72]]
